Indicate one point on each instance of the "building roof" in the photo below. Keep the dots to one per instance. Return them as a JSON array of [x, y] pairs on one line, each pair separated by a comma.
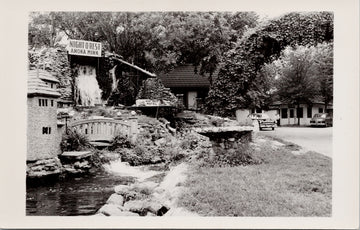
[[316, 100], [43, 75], [184, 77], [36, 86]]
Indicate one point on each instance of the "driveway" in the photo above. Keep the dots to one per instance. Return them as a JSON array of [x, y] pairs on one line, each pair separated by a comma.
[[309, 138]]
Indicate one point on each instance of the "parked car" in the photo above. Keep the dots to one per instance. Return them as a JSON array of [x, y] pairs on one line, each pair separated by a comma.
[[321, 119], [264, 120]]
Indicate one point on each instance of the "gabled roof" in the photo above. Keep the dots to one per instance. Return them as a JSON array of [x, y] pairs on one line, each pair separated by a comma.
[[43, 75], [37, 87], [184, 77]]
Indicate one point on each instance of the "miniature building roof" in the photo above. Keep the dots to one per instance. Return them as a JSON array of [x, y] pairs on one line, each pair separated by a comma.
[[37, 87], [43, 75], [184, 77]]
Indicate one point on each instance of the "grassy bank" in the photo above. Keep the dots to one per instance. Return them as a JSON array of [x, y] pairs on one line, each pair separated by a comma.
[[284, 185]]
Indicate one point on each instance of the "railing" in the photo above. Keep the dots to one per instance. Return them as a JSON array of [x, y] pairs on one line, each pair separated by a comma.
[[102, 129]]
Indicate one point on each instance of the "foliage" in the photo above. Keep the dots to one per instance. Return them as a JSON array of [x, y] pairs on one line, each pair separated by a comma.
[[156, 41], [153, 88], [74, 141], [98, 158], [220, 157], [240, 82], [323, 63], [120, 141], [303, 73], [55, 61], [296, 82]]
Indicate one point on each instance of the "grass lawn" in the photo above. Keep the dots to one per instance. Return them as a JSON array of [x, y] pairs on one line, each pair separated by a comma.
[[284, 185]]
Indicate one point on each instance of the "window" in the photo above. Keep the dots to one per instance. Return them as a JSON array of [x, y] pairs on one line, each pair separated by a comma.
[[46, 130], [299, 112], [309, 112], [291, 113], [321, 110], [51, 85], [45, 102], [284, 113], [39, 102], [52, 103]]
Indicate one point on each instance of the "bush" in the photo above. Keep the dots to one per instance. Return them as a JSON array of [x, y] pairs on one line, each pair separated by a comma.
[[219, 157], [74, 141], [120, 141]]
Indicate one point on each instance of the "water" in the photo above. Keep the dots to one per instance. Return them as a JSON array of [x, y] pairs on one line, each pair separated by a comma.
[[87, 90], [80, 195]]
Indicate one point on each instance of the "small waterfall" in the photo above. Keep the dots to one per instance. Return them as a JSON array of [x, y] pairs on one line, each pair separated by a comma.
[[87, 88], [124, 169]]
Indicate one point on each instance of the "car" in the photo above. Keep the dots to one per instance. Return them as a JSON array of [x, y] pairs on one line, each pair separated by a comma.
[[264, 120], [321, 119]]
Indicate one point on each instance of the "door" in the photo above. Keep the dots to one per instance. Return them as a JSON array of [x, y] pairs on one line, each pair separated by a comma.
[[192, 95]]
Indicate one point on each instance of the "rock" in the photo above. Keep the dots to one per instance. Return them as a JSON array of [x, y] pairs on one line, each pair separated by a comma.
[[99, 214], [156, 208], [138, 206], [160, 142], [116, 199], [122, 189], [156, 160], [115, 210]]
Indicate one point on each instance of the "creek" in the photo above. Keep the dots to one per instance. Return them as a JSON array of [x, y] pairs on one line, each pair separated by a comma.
[[81, 194], [72, 196]]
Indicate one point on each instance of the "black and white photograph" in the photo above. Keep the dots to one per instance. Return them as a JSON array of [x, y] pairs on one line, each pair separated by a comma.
[[191, 114]]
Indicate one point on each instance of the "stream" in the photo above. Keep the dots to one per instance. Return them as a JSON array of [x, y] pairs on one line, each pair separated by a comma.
[[72, 196], [82, 194]]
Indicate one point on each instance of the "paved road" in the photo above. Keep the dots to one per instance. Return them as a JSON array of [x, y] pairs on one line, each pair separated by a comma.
[[316, 139]]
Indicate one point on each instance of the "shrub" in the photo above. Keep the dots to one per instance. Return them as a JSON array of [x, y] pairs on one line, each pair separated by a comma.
[[220, 157], [120, 141], [74, 141]]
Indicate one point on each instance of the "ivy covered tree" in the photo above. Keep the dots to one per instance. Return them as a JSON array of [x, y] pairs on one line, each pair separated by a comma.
[[240, 82]]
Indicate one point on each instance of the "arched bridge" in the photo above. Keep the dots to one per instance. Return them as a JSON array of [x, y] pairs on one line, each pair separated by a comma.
[[105, 129]]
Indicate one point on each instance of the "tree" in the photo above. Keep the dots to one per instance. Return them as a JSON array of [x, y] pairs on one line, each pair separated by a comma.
[[297, 80], [323, 61], [240, 83]]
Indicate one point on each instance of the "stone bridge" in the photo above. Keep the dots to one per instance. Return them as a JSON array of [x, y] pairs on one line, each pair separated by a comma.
[[105, 129]]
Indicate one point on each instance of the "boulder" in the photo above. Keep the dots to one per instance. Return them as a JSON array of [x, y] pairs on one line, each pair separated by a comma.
[[138, 206], [116, 199], [115, 210], [122, 189], [156, 208]]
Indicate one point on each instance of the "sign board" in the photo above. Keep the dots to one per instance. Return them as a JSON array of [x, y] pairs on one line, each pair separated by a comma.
[[84, 48]]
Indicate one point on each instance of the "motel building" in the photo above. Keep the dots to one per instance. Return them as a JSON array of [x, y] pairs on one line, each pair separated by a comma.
[[289, 114]]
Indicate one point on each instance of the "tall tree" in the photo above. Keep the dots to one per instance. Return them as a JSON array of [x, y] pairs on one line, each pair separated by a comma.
[[323, 61], [297, 82]]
